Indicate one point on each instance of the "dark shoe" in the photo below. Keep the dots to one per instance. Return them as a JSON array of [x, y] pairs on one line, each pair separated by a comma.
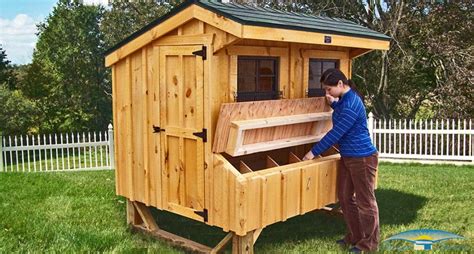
[[355, 250], [342, 243]]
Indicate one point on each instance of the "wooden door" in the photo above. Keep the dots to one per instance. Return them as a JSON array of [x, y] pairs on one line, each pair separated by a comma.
[[183, 137]]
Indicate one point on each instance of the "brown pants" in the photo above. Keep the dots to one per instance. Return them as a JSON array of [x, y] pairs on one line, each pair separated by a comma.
[[361, 214]]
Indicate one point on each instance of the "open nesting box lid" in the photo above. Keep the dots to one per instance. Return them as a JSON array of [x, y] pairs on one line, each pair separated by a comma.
[[257, 126]]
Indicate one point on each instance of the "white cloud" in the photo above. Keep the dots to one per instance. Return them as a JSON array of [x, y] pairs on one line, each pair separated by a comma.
[[18, 38], [96, 2]]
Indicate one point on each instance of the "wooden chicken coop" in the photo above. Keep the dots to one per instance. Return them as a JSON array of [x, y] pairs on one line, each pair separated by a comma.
[[215, 104]]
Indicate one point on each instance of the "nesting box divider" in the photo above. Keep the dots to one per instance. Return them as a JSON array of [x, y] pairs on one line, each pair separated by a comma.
[[293, 158], [243, 168], [271, 162]]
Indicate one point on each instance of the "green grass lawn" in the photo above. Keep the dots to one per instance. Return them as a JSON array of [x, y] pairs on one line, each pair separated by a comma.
[[78, 212]]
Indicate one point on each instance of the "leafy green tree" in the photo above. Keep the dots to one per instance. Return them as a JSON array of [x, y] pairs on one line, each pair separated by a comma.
[[7, 76], [126, 17], [17, 113], [446, 39], [67, 77]]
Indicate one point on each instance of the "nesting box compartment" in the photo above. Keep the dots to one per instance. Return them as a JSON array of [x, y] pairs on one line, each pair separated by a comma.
[[247, 198], [258, 176]]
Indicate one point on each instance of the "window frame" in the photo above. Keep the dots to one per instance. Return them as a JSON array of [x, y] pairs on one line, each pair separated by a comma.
[[256, 95], [320, 92]]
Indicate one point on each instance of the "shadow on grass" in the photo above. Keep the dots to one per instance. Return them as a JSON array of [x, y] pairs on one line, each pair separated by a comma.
[[395, 208]]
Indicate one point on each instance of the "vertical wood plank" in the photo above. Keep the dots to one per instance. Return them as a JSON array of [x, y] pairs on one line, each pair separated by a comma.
[[128, 107], [254, 203], [291, 192], [115, 110], [154, 140], [209, 94], [305, 78], [165, 95], [309, 184], [137, 126], [233, 78], [326, 187], [146, 84], [232, 199], [273, 200], [242, 205], [180, 104], [263, 201]]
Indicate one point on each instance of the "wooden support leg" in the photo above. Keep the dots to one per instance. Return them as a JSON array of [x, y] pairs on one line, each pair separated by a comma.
[[133, 217], [145, 214], [221, 245], [140, 219], [244, 244], [256, 234]]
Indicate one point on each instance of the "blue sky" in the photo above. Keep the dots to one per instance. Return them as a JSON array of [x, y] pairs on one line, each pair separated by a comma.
[[18, 19]]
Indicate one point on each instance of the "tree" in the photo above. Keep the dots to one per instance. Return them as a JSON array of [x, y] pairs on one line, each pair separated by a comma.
[[7, 76], [67, 77], [447, 39], [126, 17], [16, 113]]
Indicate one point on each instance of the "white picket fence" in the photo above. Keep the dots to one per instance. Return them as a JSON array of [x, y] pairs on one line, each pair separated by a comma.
[[437, 141], [57, 152], [445, 140]]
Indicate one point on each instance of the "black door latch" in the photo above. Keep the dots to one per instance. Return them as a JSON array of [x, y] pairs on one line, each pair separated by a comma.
[[157, 129]]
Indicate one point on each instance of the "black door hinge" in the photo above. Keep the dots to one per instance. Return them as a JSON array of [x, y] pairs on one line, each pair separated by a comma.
[[202, 53], [157, 129], [203, 214], [202, 134]]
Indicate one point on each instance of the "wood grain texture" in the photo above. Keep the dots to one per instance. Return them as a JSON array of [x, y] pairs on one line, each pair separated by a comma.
[[254, 200], [230, 112]]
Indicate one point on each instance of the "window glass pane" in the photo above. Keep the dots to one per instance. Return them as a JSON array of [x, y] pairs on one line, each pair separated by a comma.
[[314, 74], [328, 65], [265, 84], [266, 67], [247, 67], [246, 83], [246, 78]]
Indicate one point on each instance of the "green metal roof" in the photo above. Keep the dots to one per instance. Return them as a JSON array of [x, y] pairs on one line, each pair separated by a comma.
[[267, 17]]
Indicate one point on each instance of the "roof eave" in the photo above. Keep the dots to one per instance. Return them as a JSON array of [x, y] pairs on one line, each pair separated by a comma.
[[311, 37], [239, 28]]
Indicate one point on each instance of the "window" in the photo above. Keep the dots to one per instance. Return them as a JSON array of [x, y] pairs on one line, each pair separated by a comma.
[[316, 70], [257, 78]]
